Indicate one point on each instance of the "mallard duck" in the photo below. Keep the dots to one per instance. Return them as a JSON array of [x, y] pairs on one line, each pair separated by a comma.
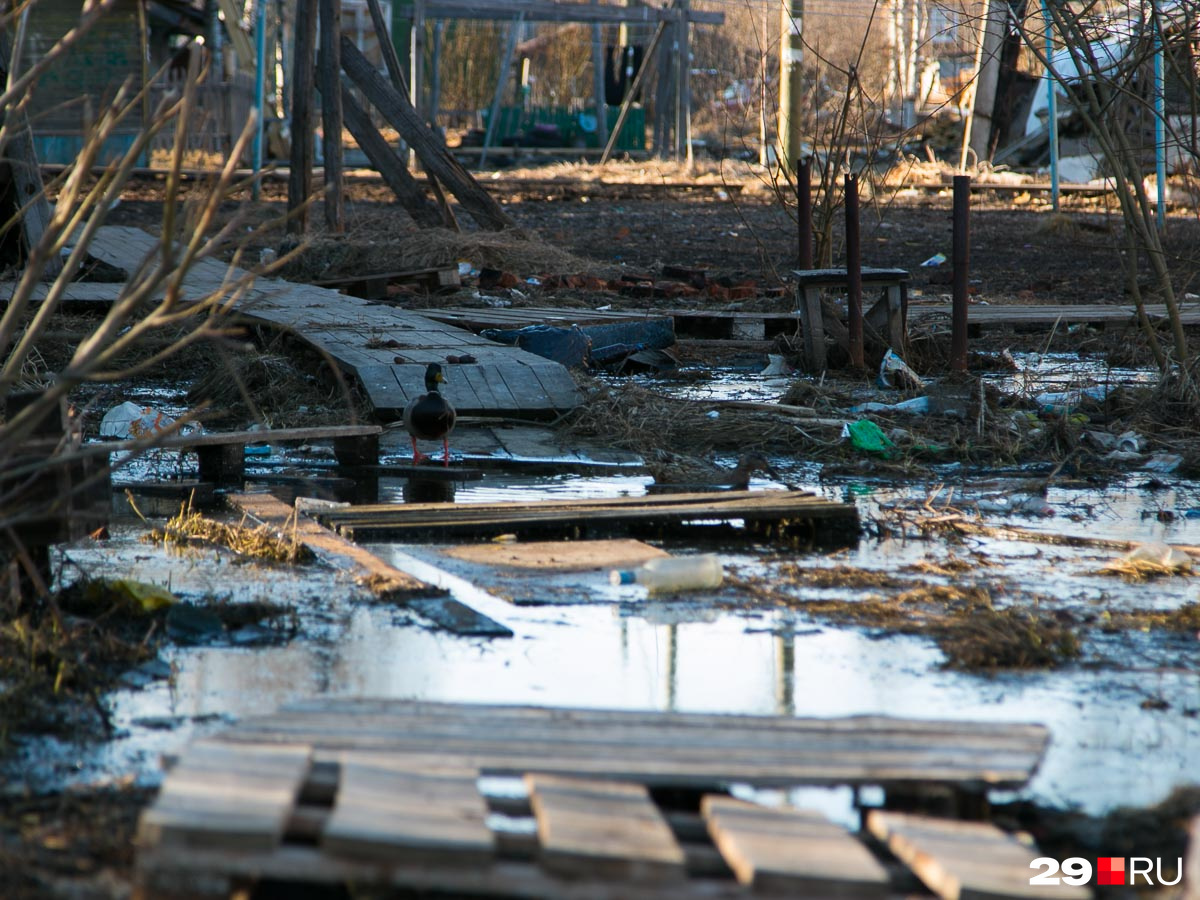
[[677, 472], [430, 417]]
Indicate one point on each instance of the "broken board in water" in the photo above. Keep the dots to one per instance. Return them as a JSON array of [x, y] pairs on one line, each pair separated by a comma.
[[558, 556], [790, 517]]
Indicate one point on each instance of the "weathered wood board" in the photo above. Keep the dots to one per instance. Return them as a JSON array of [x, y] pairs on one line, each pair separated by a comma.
[[224, 796], [964, 860], [366, 338], [386, 811], [602, 829], [785, 515], [792, 851], [669, 749], [382, 579], [558, 556]]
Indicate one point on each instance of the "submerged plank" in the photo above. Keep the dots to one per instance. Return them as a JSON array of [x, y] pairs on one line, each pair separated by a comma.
[[792, 851], [559, 556], [226, 796], [602, 829], [963, 860]]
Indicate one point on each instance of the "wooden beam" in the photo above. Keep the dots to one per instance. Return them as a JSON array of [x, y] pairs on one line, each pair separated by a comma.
[[433, 154], [633, 89], [330, 60], [300, 177], [548, 11], [391, 167]]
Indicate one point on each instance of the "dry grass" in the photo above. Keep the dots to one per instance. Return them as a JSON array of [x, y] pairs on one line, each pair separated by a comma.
[[1137, 570], [988, 639], [1185, 619], [189, 527]]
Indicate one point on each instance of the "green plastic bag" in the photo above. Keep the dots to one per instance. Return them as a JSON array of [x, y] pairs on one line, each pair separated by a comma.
[[866, 435]]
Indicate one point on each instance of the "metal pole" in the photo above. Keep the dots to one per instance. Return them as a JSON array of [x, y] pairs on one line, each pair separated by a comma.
[[962, 259], [1052, 104], [1160, 118], [260, 90], [804, 258], [791, 87], [854, 274]]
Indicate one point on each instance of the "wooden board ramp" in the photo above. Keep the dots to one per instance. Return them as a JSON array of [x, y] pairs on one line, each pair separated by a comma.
[[792, 851], [386, 794], [381, 578], [789, 516], [964, 860], [365, 339]]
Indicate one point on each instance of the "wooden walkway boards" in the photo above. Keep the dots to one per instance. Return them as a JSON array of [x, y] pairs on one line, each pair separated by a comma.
[[759, 325], [365, 339], [387, 794], [787, 516]]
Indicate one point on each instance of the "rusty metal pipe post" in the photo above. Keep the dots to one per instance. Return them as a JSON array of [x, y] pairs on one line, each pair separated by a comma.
[[854, 274], [804, 258], [962, 259]]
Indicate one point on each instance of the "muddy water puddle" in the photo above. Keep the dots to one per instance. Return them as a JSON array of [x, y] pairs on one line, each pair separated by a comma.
[[1125, 717]]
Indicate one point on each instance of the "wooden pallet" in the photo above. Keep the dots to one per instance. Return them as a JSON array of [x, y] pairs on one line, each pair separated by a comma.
[[788, 516], [365, 339], [387, 794]]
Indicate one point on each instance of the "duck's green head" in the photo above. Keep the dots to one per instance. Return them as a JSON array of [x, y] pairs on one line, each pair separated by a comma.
[[433, 377]]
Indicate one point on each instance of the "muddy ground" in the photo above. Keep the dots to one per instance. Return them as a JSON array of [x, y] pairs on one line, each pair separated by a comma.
[[1021, 253]]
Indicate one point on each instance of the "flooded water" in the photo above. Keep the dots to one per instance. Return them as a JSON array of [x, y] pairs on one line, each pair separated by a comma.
[[1125, 719]]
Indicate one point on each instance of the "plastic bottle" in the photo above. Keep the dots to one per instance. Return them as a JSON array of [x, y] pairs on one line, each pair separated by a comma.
[[673, 573]]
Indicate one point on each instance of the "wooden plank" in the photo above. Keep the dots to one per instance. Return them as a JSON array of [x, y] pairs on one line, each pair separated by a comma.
[[791, 851], [386, 394], [432, 151], [557, 384], [680, 749], [387, 811], [381, 579], [394, 171], [964, 860], [602, 830], [559, 556], [525, 386], [226, 796]]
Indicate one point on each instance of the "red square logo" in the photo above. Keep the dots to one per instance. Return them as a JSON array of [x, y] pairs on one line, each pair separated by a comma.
[[1110, 870]]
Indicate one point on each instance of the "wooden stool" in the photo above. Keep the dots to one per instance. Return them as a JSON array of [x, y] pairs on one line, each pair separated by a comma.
[[888, 316]]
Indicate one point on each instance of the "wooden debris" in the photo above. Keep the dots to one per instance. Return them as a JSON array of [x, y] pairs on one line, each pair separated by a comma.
[[382, 579], [783, 515], [389, 812], [602, 829], [668, 749], [396, 108], [225, 796], [375, 286], [559, 556], [791, 851], [961, 860]]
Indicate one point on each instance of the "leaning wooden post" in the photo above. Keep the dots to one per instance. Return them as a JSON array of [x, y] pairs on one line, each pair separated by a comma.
[[431, 150], [854, 274], [962, 257], [331, 113], [300, 176], [633, 89]]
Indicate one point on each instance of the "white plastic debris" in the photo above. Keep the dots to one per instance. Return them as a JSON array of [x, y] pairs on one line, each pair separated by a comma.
[[936, 260], [1161, 554], [776, 365], [894, 372], [129, 420], [1163, 463]]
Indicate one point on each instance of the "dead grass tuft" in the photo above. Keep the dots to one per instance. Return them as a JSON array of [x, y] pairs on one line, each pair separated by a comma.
[[1185, 619], [1138, 570], [988, 639], [838, 577], [189, 527]]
